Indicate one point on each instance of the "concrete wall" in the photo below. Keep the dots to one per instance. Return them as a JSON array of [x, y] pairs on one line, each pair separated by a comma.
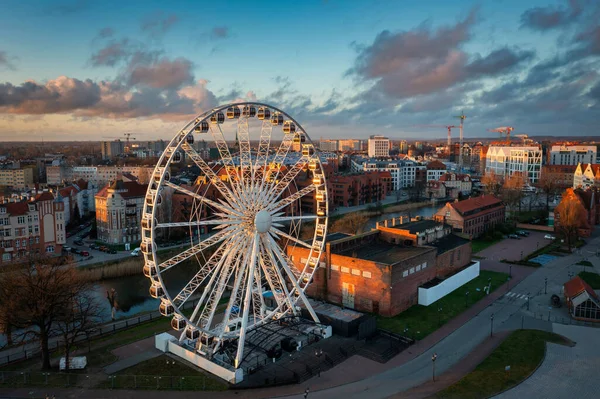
[[536, 227], [427, 296]]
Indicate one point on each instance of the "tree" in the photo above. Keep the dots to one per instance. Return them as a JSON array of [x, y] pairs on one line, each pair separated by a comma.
[[35, 299], [78, 319], [570, 216], [512, 191], [492, 184], [351, 223], [549, 187]]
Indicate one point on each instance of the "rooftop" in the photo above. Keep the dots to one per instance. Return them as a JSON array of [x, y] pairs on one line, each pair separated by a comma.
[[474, 203], [448, 243], [418, 226], [576, 286], [383, 252]]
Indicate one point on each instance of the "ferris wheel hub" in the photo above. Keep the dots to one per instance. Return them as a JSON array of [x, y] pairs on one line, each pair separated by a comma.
[[262, 221]]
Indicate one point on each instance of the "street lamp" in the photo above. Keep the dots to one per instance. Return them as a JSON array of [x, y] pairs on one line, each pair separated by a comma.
[[439, 316], [466, 299], [521, 255], [510, 270], [433, 359], [491, 325], [528, 301], [545, 285]]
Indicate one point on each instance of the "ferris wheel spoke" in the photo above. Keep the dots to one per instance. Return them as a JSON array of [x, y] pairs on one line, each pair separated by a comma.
[[294, 218], [274, 277], [211, 222], [278, 161], [210, 174], [281, 204], [247, 298], [278, 187], [286, 265], [220, 206], [212, 267], [197, 248], [246, 169], [230, 167], [289, 237], [262, 156], [232, 261]]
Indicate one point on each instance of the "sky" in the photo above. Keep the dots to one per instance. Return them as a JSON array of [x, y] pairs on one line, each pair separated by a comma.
[[92, 70]]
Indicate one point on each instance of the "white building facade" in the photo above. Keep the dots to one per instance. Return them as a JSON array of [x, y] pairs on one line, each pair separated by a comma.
[[505, 161], [97, 175], [573, 154], [403, 172], [378, 147]]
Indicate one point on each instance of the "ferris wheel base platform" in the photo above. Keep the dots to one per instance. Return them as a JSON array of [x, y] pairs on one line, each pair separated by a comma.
[[167, 343]]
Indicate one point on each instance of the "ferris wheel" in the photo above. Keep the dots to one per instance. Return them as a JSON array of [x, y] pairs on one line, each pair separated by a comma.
[[243, 219]]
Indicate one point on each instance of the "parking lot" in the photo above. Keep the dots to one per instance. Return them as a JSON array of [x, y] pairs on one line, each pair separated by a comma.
[[515, 249]]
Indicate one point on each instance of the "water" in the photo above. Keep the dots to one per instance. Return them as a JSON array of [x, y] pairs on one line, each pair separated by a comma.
[[426, 212]]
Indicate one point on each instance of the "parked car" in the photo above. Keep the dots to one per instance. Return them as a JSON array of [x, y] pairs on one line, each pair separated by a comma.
[[93, 246], [66, 248], [549, 237], [514, 236], [523, 233], [75, 251], [136, 252], [85, 253], [103, 248], [78, 242], [112, 251]]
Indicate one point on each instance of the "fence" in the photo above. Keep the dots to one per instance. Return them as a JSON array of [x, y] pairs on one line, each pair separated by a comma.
[[564, 320], [30, 350], [19, 379]]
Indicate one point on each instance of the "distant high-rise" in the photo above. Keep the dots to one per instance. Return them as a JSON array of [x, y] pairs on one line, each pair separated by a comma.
[[403, 147], [328, 145], [572, 154], [350, 145], [379, 146], [111, 149]]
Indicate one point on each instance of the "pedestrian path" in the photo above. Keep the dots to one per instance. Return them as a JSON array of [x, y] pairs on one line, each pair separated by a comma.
[[514, 295]]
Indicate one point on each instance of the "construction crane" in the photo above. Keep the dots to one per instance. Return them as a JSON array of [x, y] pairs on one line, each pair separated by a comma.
[[444, 126], [127, 138], [525, 138], [462, 118], [504, 131]]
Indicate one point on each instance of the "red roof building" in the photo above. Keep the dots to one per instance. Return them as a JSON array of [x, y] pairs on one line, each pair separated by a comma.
[[473, 216], [581, 299]]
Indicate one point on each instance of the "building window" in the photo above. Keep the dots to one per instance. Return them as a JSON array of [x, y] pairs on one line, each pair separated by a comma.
[[424, 265], [335, 267], [345, 269], [50, 248], [356, 272], [405, 273], [411, 271], [418, 268], [6, 257], [366, 274], [21, 220]]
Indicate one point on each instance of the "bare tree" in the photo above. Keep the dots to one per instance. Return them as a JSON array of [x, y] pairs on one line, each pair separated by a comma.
[[78, 319], [492, 184], [549, 186], [570, 216], [34, 299], [351, 223], [512, 191]]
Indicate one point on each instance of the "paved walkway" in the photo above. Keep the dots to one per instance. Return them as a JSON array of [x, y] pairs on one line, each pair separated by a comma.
[[566, 372]]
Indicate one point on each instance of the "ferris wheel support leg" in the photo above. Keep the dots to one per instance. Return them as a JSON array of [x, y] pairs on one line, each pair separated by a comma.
[[292, 277], [240, 350]]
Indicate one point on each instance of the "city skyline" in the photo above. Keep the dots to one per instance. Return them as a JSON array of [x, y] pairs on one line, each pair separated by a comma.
[[83, 70]]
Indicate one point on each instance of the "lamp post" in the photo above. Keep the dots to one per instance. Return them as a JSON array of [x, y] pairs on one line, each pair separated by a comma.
[[439, 316], [510, 270], [528, 300], [521, 255], [491, 325], [466, 299], [545, 285], [433, 359]]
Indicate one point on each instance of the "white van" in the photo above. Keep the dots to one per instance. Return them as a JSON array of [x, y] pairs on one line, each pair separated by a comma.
[[136, 252]]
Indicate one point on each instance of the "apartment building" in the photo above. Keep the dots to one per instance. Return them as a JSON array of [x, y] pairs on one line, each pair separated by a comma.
[[572, 154], [17, 178], [97, 175], [119, 208], [473, 216], [504, 161], [561, 175], [457, 183], [403, 172], [378, 147], [328, 145], [31, 226], [111, 149], [435, 170], [350, 145], [359, 189]]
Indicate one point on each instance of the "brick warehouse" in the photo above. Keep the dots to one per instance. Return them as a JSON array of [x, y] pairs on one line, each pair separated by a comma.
[[381, 271]]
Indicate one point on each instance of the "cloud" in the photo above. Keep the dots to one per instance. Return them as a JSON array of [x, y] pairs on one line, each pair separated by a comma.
[[62, 94], [498, 61], [69, 8], [5, 62], [158, 24], [106, 32], [551, 17], [219, 32], [163, 74], [112, 54]]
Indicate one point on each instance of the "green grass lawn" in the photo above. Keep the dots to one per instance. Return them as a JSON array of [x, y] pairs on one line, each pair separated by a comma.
[[593, 279], [584, 263], [481, 243], [523, 351], [423, 320], [164, 372]]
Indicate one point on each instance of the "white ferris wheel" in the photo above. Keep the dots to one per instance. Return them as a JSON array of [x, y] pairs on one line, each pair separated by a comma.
[[244, 217]]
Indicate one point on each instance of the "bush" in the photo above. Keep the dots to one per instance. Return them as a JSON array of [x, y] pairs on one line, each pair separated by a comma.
[[497, 235]]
